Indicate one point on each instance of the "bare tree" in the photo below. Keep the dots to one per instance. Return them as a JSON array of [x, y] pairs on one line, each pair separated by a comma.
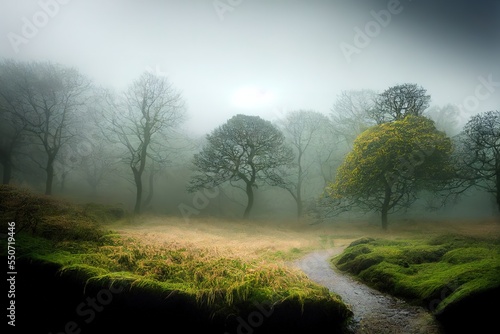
[[398, 101], [45, 97], [445, 117], [352, 113], [99, 164], [305, 130], [478, 155], [12, 126], [141, 120]]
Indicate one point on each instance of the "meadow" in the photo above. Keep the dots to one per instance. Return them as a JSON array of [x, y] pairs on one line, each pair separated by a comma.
[[215, 274]]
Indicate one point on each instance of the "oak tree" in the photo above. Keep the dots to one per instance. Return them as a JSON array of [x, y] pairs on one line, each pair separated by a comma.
[[246, 149], [390, 163]]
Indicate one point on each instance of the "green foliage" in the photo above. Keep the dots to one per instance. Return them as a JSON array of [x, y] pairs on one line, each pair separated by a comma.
[[391, 162], [432, 272]]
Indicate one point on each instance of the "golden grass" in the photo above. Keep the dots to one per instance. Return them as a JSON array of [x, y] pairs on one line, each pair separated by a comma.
[[285, 239]]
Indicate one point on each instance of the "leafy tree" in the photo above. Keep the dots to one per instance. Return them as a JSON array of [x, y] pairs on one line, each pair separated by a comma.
[[245, 148], [396, 102], [390, 163], [140, 122], [478, 154]]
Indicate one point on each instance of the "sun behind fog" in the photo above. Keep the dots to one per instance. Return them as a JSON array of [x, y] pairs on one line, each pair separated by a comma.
[[250, 97]]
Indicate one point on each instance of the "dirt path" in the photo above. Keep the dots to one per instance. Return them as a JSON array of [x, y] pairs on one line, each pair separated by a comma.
[[374, 312]]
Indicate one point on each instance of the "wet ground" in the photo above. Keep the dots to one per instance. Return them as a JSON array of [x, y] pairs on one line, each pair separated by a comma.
[[374, 312]]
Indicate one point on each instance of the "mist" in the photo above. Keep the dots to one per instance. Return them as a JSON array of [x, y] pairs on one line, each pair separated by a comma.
[[260, 58], [241, 166]]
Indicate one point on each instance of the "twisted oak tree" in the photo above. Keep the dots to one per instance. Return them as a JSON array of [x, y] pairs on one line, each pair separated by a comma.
[[245, 148]]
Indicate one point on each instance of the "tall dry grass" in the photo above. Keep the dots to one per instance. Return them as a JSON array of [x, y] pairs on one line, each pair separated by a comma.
[[283, 239]]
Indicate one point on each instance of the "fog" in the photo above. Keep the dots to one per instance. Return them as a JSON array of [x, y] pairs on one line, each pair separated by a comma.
[[262, 58]]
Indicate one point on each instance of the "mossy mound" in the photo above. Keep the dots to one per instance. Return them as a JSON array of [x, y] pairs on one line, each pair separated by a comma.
[[51, 218], [448, 274]]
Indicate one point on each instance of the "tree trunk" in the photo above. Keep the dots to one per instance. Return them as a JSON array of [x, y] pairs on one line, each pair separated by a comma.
[[148, 199], [249, 190], [94, 190], [498, 190], [299, 186], [7, 171], [50, 176], [298, 199], [385, 206], [384, 219], [299, 208], [138, 187], [63, 181]]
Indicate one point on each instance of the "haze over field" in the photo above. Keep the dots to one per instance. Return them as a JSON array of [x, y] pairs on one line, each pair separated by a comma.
[[265, 57], [221, 58], [240, 165]]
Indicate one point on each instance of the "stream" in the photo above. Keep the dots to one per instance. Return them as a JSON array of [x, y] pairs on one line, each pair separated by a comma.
[[374, 311]]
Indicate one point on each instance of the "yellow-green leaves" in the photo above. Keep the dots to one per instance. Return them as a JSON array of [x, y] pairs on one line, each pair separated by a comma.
[[392, 161]]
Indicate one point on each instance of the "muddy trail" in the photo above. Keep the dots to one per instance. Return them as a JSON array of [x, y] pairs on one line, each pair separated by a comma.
[[374, 312]]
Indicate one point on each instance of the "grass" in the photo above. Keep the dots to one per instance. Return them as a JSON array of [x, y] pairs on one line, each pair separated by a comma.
[[434, 272], [224, 265], [222, 278]]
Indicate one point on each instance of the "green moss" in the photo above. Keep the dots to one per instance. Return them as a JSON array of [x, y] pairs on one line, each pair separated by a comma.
[[432, 272], [469, 254]]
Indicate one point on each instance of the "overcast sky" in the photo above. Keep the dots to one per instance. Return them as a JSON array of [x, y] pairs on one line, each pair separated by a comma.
[[265, 57]]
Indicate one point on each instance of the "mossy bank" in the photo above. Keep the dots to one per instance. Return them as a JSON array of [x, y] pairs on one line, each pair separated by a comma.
[[75, 274], [456, 277]]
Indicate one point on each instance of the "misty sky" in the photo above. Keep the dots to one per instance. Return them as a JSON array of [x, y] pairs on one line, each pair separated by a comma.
[[265, 57]]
